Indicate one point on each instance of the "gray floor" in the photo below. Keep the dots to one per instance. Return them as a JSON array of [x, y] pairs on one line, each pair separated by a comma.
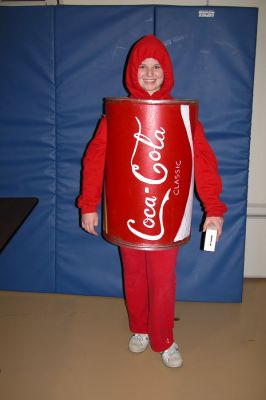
[[57, 347]]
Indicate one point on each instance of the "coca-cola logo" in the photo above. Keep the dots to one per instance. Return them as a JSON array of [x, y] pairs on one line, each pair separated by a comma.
[[150, 171], [159, 175]]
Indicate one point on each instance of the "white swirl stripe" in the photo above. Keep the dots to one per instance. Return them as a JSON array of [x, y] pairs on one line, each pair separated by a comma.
[[185, 226]]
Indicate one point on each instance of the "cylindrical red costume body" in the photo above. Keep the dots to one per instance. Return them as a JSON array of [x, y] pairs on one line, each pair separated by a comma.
[[149, 175]]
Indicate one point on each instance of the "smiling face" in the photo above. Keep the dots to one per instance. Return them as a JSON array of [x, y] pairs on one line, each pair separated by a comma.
[[150, 75]]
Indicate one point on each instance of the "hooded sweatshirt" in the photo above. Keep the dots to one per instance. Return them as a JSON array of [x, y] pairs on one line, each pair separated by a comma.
[[208, 182], [149, 47]]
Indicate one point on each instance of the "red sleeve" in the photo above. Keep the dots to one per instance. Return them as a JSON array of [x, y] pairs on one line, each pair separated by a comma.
[[93, 170], [208, 181]]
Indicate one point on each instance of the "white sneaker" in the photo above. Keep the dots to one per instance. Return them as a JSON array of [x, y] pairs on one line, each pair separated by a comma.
[[171, 357], [138, 342]]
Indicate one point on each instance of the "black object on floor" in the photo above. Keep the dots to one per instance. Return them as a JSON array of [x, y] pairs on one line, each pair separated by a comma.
[[13, 212]]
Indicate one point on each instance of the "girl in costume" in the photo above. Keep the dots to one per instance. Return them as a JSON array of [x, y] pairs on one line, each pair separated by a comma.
[[150, 276]]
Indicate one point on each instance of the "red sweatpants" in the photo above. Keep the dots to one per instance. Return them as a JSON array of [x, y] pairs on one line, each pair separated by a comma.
[[150, 288]]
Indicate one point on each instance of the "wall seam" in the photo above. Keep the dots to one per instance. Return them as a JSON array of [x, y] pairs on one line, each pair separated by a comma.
[[55, 152], [154, 19]]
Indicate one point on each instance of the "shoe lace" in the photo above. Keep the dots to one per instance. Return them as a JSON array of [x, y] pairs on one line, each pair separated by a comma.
[[140, 337]]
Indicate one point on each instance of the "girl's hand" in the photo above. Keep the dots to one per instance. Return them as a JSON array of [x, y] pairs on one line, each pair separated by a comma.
[[217, 222], [89, 221]]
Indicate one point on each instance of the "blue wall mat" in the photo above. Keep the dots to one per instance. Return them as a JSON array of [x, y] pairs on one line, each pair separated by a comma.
[[214, 55], [59, 62], [27, 143], [90, 57]]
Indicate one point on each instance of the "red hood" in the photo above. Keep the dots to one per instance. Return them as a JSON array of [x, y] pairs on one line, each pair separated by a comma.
[[149, 47]]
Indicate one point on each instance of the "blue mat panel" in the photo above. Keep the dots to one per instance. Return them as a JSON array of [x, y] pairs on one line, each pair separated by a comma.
[[27, 143], [214, 58]]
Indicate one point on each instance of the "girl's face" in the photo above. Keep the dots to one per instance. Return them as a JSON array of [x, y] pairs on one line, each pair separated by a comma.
[[150, 75]]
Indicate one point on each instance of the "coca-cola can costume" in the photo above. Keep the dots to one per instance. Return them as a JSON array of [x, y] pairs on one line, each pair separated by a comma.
[[149, 172]]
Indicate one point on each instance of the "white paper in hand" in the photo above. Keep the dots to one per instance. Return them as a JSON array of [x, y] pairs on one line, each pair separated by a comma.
[[210, 238]]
